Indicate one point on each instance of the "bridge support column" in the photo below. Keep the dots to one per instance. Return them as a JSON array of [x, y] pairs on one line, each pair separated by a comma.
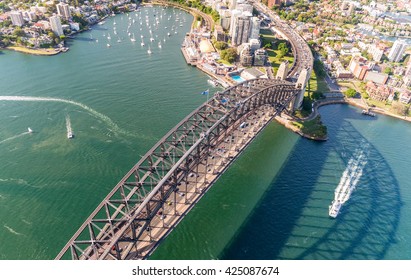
[[303, 78]]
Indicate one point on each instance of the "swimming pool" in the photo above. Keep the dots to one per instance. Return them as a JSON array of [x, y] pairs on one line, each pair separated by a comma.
[[237, 79]]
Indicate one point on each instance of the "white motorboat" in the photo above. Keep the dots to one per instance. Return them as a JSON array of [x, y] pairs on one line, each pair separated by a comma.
[[334, 208]]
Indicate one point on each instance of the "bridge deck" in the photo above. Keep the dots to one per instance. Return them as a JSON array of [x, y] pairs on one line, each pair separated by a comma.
[[165, 184]]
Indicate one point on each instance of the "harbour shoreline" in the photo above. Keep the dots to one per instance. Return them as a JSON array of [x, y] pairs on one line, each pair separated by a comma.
[[40, 52]]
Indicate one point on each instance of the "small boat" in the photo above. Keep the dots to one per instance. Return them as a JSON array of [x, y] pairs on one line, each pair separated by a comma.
[[168, 34], [151, 39], [101, 22], [29, 130], [149, 51], [108, 45], [142, 44], [368, 113], [70, 135], [334, 208]]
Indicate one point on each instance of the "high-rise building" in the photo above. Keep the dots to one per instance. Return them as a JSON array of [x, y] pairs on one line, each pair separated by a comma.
[[376, 52], [245, 7], [16, 18], [255, 28], [55, 23], [225, 19], [358, 66], [234, 15], [63, 10], [397, 51], [241, 29], [260, 57]]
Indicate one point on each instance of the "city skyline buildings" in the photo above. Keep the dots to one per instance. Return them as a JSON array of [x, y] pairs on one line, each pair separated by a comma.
[[17, 18], [63, 10], [397, 51], [55, 24]]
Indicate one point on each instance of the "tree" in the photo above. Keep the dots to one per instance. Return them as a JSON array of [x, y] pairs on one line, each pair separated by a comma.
[[388, 70], [229, 55], [220, 45], [18, 32], [399, 108], [350, 92], [282, 47], [268, 45]]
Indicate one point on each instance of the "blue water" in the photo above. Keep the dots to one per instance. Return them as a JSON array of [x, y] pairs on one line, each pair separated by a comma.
[[291, 182]]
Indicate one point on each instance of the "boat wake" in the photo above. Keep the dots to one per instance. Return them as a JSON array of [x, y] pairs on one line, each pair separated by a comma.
[[12, 230], [14, 137], [348, 181], [114, 127], [68, 127]]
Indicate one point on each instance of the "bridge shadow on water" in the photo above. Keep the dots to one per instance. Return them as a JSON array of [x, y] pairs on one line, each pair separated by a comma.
[[291, 220]]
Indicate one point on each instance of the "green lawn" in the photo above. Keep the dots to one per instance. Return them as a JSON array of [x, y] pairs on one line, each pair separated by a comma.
[[313, 128], [224, 62], [266, 37], [317, 84]]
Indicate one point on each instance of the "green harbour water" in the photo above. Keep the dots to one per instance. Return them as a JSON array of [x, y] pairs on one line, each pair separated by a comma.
[[273, 201]]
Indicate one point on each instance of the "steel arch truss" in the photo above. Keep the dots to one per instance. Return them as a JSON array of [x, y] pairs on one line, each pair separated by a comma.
[[127, 211]]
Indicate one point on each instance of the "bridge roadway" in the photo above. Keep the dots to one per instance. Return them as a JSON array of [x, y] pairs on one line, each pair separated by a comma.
[[303, 58], [154, 196]]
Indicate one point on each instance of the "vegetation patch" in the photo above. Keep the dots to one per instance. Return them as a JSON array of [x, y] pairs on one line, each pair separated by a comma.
[[313, 128]]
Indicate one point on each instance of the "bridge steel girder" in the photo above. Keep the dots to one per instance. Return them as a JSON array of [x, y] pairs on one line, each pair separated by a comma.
[[126, 212]]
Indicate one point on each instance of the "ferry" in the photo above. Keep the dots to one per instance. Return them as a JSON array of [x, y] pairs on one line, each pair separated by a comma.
[[368, 113], [334, 208]]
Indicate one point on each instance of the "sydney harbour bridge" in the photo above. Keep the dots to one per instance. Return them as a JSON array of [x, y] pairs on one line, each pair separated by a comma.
[[156, 194]]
